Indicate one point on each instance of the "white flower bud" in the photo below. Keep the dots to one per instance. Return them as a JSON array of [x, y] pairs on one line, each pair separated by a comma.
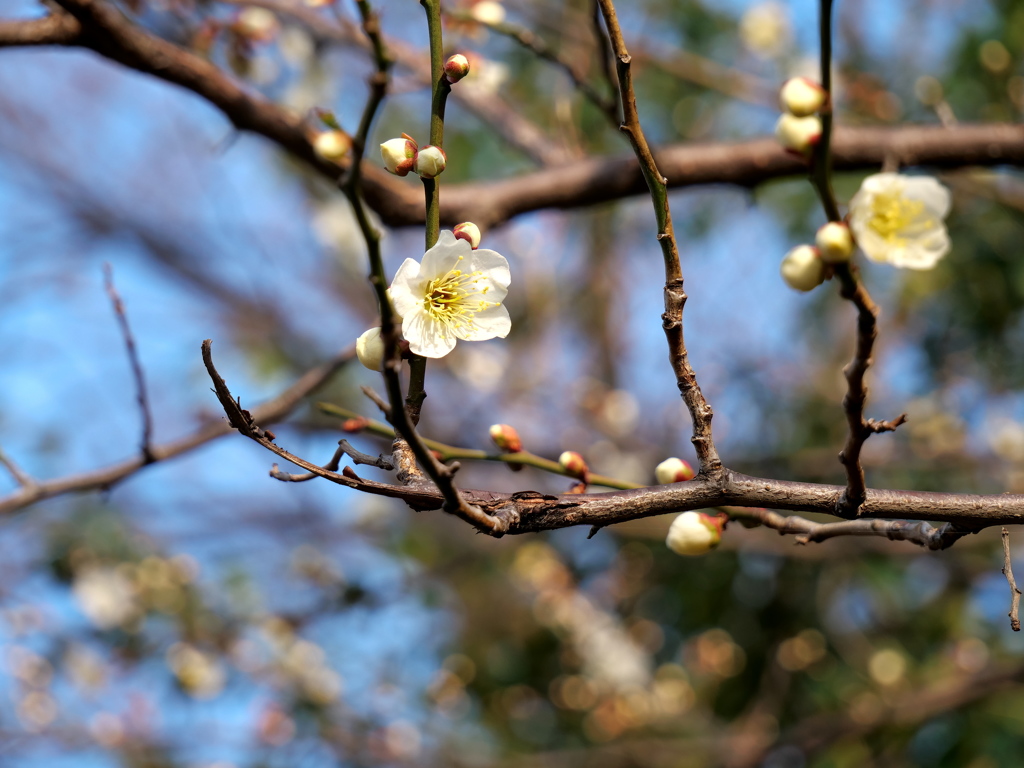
[[835, 242], [802, 97], [802, 268], [694, 533], [469, 232], [370, 349], [332, 145], [798, 134], [430, 162], [399, 155], [456, 68], [673, 471]]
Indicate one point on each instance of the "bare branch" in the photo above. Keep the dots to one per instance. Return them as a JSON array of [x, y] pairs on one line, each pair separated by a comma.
[[102, 479], [19, 475], [675, 298], [1014, 613], [133, 359]]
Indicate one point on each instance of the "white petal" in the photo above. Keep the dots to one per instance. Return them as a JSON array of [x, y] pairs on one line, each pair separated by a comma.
[[487, 324], [407, 288], [426, 336], [882, 183], [444, 255], [492, 264], [930, 192]]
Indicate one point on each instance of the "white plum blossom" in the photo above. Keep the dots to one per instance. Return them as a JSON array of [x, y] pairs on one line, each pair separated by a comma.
[[898, 219], [454, 293]]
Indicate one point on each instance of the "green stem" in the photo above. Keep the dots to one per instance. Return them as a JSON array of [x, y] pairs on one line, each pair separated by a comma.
[[821, 168], [455, 453]]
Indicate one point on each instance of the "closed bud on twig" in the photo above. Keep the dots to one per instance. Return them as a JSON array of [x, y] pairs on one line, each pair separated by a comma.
[[430, 162], [802, 268], [798, 134], [573, 464], [673, 471], [399, 155], [357, 424], [469, 232], [835, 242], [332, 145], [370, 349], [456, 68], [506, 438], [802, 97], [695, 533]]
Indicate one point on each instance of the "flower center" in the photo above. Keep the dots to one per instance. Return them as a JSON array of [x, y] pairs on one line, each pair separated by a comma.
[[892, 215], [454, 298]]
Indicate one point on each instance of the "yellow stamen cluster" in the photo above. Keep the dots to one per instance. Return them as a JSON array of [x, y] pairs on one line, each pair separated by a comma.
[[892, 215], [449, 299]]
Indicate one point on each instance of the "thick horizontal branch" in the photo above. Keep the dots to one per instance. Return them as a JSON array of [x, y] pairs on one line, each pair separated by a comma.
[[572, 185]]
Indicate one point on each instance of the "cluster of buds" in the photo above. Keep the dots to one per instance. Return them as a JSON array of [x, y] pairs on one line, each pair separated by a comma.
[[806, 266], [799, 128], [695, 533], [673, 471], [403, 155]]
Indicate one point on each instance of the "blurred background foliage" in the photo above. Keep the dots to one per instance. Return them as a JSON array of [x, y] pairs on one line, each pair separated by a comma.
[[203, 615]]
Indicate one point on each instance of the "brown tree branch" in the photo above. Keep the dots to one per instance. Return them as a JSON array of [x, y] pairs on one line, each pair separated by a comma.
[[141, 395], [101, 479], [1014, 613], [675, 297], [570, 185]]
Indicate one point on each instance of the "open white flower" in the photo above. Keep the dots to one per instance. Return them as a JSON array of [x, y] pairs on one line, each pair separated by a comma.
[[898, 219], [455, 293]]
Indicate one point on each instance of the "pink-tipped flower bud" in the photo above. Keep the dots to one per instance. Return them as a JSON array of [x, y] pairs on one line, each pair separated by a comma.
[[399, 155], [430, 162], [798, 134], [802, 268], [456, 68], [835, 242], [695, 533], [469, 232], [573, 464], [332, 145], [506, 438], [673, 471], [370, 349], [802, 97]]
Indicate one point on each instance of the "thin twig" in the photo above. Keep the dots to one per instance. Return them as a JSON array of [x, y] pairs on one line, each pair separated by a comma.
[[605, 54], [675, 298], [343, 449], [452, 453], [1014, 592], [19, 475], [536, 45], [851, 289], [918, 532], [270, 412], [133, 358]]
